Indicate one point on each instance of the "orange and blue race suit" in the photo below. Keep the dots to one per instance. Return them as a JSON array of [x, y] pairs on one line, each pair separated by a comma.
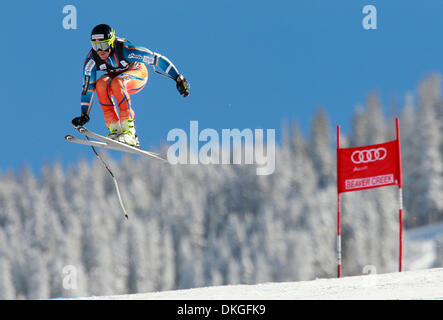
[[126, 74]]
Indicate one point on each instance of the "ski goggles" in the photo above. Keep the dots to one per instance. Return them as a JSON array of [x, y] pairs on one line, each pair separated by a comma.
[[102, 45]]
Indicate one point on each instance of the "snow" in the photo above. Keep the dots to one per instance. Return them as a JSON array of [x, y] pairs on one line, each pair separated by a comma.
[[420, 284], [421, 245], [420, 281]]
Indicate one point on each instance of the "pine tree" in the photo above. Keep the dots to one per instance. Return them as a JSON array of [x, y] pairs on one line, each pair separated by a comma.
[[37, 282], [7, 290], [409, 156], [138, 266], [320, 149], [369, 125], [427, 176]]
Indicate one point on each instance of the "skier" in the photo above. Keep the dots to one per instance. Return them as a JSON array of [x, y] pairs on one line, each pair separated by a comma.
[[126, 74]]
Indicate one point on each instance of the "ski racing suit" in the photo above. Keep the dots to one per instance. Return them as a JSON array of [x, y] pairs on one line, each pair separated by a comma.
[[126, 74]]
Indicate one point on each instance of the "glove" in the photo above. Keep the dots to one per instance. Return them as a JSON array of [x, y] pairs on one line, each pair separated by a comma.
[[182, 85], [79, 121]]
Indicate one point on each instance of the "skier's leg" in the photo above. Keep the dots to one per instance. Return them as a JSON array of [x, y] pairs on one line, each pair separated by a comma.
[[129, 82], [105, 99], [122, 86], [140, 74]]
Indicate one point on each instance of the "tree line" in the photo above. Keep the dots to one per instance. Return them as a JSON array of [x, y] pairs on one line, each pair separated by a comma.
[[203, 225]]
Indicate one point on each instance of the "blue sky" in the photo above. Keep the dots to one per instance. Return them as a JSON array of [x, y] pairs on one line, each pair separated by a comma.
[[251, 64]]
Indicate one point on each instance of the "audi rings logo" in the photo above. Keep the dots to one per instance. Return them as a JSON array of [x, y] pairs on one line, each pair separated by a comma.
[[371, 155]]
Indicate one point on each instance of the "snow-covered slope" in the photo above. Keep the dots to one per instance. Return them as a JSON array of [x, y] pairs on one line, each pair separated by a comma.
[[422, 247], [420, 284]]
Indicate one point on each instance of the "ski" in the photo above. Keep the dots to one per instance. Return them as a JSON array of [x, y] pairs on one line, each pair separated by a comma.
[[113, 144], [91, 143]]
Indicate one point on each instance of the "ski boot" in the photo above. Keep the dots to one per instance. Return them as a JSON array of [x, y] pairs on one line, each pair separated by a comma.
[[115, 130], [128, 135]]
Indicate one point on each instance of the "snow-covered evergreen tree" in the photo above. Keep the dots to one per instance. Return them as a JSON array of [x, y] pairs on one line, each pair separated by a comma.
[[369, 125], [7, 290], [427, 175], [410, 161], [322, 154]]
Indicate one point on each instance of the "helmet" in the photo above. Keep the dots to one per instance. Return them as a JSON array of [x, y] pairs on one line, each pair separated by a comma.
[[102, 37]]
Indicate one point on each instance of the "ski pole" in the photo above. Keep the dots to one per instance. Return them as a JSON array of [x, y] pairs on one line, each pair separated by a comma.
[[113, 179]]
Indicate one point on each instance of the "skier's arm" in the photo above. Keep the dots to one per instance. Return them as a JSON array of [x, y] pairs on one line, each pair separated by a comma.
[[138, 53], [88, 87], [166, 66]]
